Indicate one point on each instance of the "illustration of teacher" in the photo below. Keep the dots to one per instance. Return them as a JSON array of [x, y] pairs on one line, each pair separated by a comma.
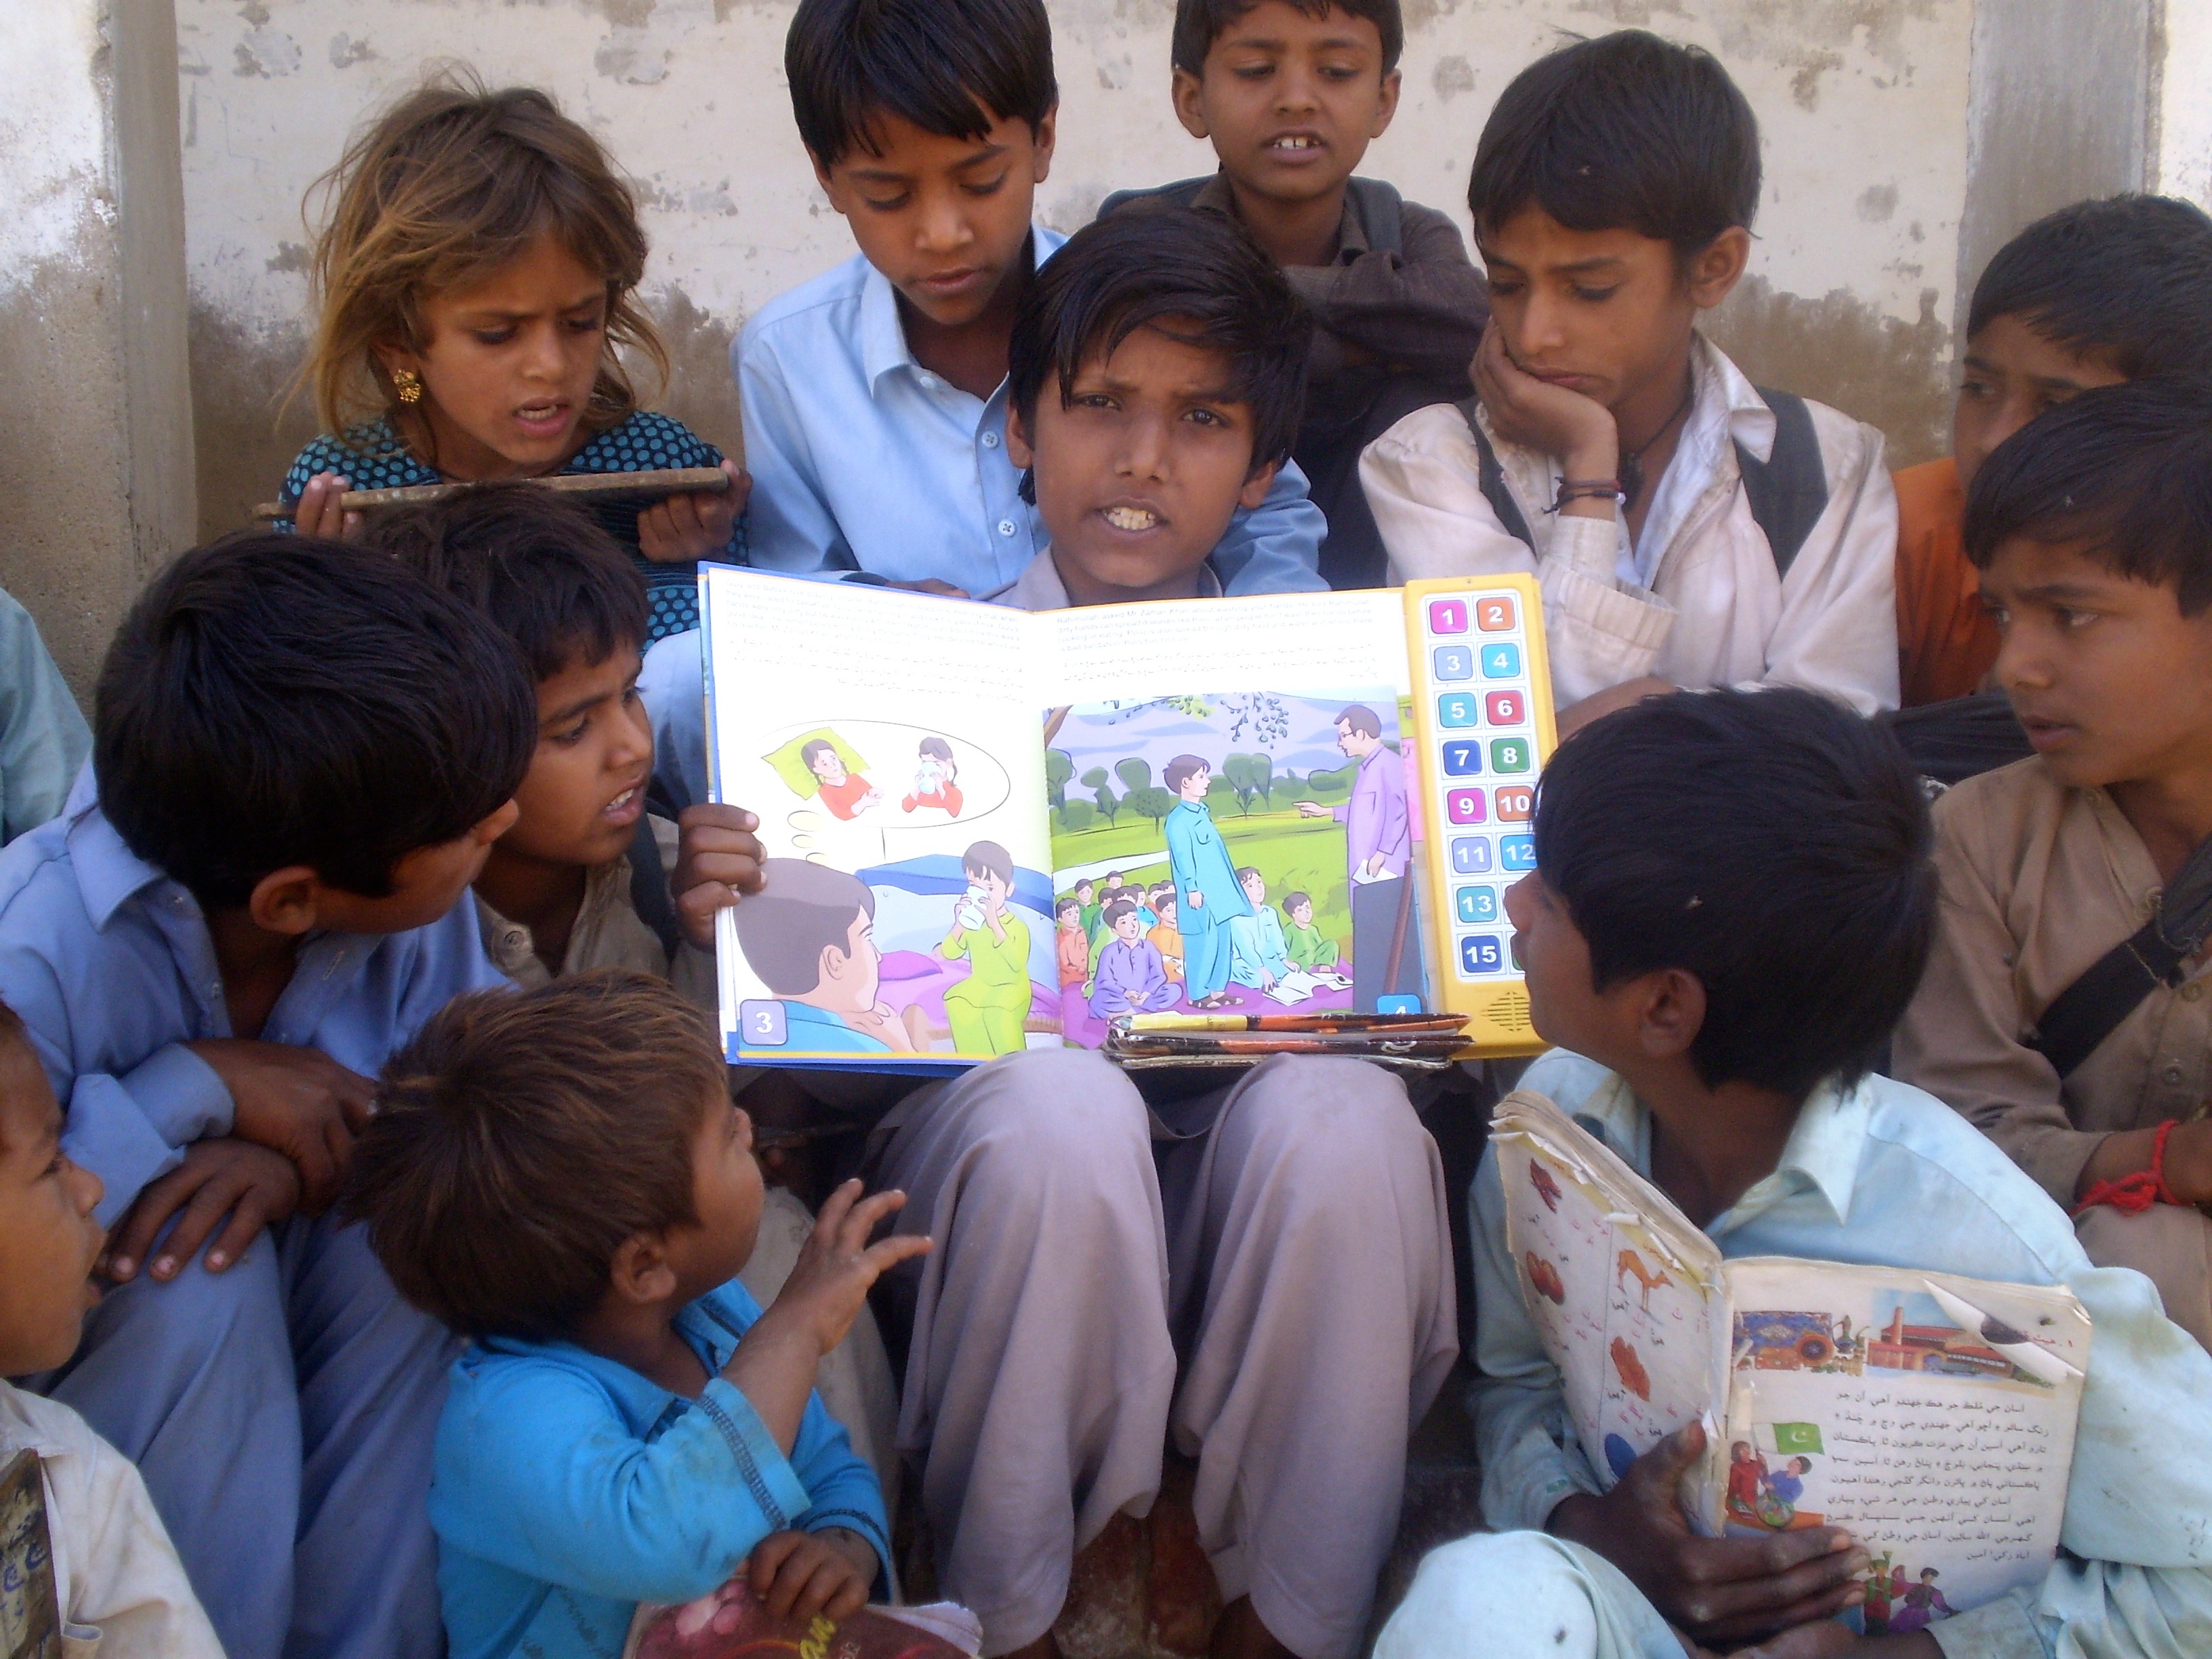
[[1378, 843], [1208, 896]]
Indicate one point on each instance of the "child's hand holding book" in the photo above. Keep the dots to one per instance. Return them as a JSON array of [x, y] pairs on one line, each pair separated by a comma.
[[1722, 1591], [718, 860]]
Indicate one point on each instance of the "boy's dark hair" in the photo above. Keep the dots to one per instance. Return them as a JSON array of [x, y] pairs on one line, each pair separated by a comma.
[[2125, 469], [559, 585], [1773, 844], [277, 700], [803, 909], [1116, 909], [1071, 902], [522, 1137], [1087, 882], [952, 67], [1199, 23], [2129, 276], [1182, 767], [1199, 278], [1291, 901], [1247, 873], [988, 855], [1624, 132]]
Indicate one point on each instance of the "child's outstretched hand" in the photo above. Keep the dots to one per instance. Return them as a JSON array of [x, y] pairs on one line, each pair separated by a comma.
[[718, 861], [799, 1574], [1724, 1592], [838, 1266], [685, 529]]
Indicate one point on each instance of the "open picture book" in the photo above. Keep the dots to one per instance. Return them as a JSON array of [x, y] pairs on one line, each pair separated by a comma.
[[1931, 1415], [989, 829]]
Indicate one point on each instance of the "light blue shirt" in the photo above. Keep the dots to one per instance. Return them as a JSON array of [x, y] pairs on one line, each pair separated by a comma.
[[862, 459], [43, 737], [1257, 947], [568, 1488], [109, 962], [1884, 1174]]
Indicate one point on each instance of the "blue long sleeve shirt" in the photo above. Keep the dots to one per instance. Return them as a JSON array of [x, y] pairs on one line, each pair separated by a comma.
[[864, 460], [109, 962], [568, 1488]]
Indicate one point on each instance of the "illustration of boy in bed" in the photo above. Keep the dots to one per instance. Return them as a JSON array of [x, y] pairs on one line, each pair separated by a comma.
[[809, 934], [847, 794]]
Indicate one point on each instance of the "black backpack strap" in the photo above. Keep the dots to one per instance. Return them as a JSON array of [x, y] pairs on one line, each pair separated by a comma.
[[648, 888], [1789, 491], [1181, 193], [2081, 1017], [1382, 213], [1491, 477]]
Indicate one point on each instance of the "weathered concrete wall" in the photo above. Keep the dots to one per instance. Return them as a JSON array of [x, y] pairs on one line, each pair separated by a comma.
[[2181, 135], [96, 468], [1863, 103]]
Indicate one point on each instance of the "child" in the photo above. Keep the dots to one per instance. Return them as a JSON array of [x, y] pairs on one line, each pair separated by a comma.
[[1086, 894], [1722, 1044], [1290, 92], [301, 754], [847, 794], [1292, 1227], [1260, 957], [875, 395], [1303, 943], [987, 1009], [936, 779], [2091, 529], [1688, 528], [2092, 295], [1132, 978], [627, 1425], [555, 895], [117, 1577], [1210, 898], [1068, 940], [478, 282], [1166, 937]]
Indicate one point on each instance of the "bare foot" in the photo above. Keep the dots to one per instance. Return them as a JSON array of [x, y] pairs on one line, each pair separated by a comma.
[[1240, 1635]]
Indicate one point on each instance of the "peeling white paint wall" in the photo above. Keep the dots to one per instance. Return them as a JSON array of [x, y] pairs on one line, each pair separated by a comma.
[[1862, 103], [2182, 152], [96, 469]]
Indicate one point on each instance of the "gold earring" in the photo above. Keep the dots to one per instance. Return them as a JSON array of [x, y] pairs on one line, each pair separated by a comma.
[[408, 384]]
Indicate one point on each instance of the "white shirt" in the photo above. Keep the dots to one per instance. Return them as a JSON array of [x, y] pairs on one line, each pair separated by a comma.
[[123, 1593], [1695, 600]]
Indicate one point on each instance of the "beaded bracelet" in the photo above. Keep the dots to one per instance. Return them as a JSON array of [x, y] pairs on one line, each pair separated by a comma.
[[2133, 1194]]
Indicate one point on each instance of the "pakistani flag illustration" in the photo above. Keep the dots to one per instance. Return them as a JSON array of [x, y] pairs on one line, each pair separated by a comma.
[[1787, 1439]]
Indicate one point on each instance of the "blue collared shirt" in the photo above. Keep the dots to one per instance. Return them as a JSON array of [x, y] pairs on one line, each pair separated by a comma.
[[1884, 1174], [568, 1488], [109, 962], [862, 459]]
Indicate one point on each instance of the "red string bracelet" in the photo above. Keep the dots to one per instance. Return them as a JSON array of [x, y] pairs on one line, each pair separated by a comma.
[[2133, 1194]]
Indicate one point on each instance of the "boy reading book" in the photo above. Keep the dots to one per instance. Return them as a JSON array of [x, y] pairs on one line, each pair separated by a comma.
[[118, 1583], [2091, 530], [627, 1425], [1290, 92], [301, 754], [1688, 527], [1289, 1232], [2092, 295], [1721, 1043]]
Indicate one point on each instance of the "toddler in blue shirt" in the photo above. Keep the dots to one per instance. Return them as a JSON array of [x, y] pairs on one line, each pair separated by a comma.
[[559, 1176]]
